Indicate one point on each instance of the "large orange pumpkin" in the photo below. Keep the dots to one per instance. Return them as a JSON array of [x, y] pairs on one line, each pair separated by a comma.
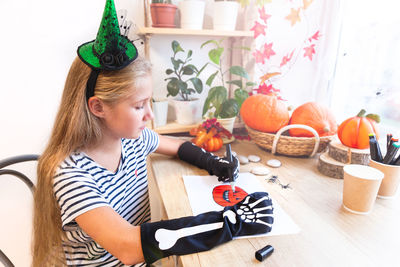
[[354, 131], [265, 113], [316, 116]]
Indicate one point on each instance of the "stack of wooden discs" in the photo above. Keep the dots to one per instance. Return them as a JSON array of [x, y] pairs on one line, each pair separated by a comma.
[[331, 163]]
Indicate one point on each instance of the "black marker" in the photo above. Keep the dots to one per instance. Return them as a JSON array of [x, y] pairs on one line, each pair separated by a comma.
[[265, 252], [229, 156], [391, 153], [397, 161], [392, 140], [388, 138], [374, 148]]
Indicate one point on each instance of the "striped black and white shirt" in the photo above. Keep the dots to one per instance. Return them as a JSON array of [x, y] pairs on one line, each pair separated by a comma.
[[80, 185]]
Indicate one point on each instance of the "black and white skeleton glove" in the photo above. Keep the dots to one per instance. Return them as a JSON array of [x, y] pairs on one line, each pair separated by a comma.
[[253, 215], [215, 165]]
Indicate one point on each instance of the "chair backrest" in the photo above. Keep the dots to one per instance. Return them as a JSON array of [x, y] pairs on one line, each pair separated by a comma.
[[4, 169]]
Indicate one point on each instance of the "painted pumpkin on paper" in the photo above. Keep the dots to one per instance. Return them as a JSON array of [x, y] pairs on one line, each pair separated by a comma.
[[224, 196]]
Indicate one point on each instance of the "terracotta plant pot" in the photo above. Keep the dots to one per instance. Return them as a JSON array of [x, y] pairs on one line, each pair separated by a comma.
[[163, 15]]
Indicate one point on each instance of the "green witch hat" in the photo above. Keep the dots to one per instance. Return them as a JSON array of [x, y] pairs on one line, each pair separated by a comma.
[[110, 50]]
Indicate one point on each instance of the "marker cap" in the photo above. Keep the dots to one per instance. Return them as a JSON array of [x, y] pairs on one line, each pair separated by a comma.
[[265, 252]]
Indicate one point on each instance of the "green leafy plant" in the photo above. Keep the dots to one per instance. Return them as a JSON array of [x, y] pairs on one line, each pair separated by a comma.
[[183, 73], [217, 103]]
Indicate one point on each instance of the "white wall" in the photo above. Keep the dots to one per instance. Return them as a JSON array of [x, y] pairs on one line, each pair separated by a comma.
[[38, 44]]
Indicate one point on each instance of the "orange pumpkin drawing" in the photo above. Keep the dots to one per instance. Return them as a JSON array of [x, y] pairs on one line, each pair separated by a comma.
[[224, 196]]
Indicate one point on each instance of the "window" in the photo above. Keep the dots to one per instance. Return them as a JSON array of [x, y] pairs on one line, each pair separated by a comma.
[[368, 65]]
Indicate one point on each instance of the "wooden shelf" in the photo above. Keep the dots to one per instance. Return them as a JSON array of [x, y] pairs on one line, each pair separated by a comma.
[[173, 127], [208, 32]]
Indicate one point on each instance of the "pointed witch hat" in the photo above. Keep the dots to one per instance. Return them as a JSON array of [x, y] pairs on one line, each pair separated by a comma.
[[110, 50]]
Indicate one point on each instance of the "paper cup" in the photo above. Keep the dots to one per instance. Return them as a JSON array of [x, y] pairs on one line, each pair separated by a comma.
[[391, 180], [360, 187]]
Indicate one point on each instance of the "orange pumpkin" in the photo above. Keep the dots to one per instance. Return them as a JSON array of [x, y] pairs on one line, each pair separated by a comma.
[[213, 144], [315, 115], [354, 131], [265, 113]]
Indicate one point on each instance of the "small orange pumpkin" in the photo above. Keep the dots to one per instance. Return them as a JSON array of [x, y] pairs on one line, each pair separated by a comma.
[[265, 113], [315, 115], [354, 131], [213, 144]]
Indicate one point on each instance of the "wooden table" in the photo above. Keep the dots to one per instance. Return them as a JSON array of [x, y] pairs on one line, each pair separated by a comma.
[[329, 236]]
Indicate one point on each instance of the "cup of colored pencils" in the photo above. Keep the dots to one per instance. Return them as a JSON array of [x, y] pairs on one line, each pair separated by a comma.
[[389, 164]]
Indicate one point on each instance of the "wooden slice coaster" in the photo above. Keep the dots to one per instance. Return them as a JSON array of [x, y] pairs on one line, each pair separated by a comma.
[[330, 167], [344, 154]]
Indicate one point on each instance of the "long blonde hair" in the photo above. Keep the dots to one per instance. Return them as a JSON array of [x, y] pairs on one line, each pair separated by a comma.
[[75, 127]]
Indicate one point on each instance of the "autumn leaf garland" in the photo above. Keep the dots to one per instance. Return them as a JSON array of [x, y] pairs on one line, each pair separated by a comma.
[[266, 51]]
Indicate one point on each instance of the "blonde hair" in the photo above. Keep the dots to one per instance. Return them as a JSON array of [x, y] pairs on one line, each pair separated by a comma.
[[75, 127]]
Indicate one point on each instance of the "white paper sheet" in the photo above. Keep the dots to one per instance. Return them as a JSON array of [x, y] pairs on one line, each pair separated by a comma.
[[199, 190]]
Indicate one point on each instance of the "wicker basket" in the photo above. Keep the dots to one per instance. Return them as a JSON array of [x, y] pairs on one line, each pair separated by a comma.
[[288, 145]]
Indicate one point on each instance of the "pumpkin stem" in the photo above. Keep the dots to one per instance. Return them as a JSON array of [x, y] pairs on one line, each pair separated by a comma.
[[361, 113], [327, 129], [374, 117]]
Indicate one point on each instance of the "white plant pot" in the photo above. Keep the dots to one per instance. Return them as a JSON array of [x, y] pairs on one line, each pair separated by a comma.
[[225, 15], [187, 112], [192, 14], [227, 123], [160, 110]]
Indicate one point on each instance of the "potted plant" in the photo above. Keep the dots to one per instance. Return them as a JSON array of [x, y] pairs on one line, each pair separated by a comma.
[[225, 15], [163, 13], [218, 104], [192, 14], [184, 82]]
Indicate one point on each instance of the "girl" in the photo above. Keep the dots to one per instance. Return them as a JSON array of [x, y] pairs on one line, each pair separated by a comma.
[[91, 201]]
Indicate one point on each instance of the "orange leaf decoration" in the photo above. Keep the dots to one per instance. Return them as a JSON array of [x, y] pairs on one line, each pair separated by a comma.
[[268, 76]]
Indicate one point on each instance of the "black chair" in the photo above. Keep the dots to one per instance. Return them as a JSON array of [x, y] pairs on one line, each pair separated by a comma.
[[3, 170]]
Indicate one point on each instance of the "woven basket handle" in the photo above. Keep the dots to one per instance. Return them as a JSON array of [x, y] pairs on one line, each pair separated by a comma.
[[287, 127]]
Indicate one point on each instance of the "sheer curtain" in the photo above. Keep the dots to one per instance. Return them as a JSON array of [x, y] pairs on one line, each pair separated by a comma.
[[344, 54], [368, 64], [298, 39]]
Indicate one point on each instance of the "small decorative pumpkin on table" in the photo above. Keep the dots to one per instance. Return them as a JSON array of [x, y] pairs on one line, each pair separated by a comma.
[[209, 135], [353, 146], [354, 131]]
